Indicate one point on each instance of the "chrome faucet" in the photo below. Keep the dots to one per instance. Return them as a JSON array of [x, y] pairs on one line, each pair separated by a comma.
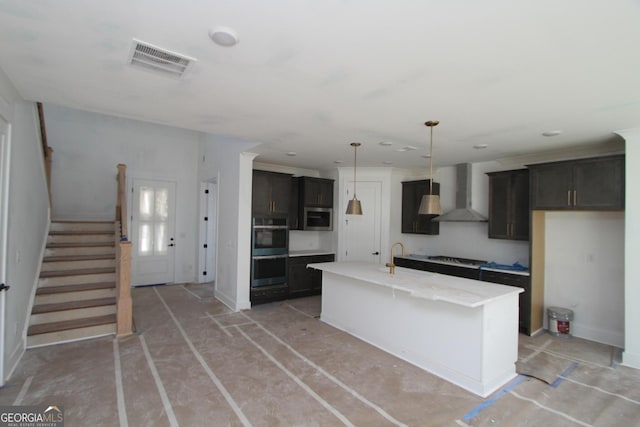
[[391, 265]]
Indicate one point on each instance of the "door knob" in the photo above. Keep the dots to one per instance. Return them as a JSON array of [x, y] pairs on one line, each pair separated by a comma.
[[375, 253], [171, 245], [4, 287]]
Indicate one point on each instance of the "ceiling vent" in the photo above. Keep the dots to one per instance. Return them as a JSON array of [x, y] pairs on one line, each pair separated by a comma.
[[161, 61]]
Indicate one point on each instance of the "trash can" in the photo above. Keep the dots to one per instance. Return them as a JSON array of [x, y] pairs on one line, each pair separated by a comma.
[[560, 321]]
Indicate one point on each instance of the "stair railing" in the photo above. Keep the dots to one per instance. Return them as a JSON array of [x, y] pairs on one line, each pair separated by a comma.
[[47, 151], [124, 304]]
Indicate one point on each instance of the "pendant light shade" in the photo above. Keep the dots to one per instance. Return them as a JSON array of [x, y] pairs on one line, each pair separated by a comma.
[[354, 207], [430, 204]]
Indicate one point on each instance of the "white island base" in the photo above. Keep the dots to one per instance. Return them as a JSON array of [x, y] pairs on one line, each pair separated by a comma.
[[464, 331]]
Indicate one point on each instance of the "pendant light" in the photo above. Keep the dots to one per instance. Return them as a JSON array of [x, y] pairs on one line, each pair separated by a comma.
[[354, 207], [430, 204]]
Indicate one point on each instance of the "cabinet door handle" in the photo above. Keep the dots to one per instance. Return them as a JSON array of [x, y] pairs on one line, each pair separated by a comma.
[[568, 197], [575, 198]]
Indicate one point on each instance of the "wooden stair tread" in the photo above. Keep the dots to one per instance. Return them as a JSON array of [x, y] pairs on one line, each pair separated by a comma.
[[48, 290], [78, 257], [79, 272], [63, 221], [79, 244], [79, 232], [72, 305], [65, 325]]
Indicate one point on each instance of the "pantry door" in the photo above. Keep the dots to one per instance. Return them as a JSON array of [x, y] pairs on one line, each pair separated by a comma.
[[362, 232], [153, 227]]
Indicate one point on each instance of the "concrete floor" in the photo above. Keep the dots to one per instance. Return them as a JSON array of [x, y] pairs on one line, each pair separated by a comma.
[[193, 362]]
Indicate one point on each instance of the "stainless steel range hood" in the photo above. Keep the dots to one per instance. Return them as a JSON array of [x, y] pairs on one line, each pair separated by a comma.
[[463, 211]]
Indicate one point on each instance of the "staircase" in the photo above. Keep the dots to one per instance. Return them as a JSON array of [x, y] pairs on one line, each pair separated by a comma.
[[76, 295]]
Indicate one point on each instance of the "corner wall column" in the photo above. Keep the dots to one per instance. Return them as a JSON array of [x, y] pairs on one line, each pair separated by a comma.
[[631, 354]]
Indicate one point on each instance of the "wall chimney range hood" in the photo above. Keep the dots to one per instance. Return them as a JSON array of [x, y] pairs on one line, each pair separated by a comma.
[[463, 211]]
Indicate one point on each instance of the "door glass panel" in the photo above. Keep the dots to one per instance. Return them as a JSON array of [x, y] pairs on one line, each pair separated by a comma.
[[154, 214], [146, 203], [162, 204], [144, 239], [161, 242]]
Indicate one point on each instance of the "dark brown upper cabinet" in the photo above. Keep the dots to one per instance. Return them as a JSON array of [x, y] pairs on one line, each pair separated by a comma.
[[509, 205], [315, 192], [586, 184], [271, 194], [412, 222]]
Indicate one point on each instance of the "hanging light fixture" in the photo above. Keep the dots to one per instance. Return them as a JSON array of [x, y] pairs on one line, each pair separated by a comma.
[[354, 207], [430, 204]]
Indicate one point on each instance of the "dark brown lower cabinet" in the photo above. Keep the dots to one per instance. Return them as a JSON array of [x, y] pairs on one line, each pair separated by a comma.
[[499, 277], [305, 281], [520, 281]]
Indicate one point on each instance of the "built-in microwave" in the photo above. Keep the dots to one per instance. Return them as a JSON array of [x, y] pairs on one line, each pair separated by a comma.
[[317, 219]]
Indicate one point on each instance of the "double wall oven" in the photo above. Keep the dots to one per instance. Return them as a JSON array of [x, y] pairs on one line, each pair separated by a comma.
[[269, 258]]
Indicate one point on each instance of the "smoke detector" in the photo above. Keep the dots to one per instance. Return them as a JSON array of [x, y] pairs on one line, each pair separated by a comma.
[[158, 60]]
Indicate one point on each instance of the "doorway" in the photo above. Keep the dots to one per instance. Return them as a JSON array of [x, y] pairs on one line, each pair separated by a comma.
[[4, 206], [362, 232], [208, 231], [152, 227]]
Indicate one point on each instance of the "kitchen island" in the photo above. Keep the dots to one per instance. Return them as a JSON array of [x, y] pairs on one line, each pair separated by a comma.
[[461, 330]]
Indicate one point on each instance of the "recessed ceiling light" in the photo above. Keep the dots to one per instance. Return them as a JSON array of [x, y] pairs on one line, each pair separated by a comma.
[[400, 150], [337, 162], [410, 148], [552, 133], [386, 143], [480, 146], [291, 153], [223, 36], [425, 156]]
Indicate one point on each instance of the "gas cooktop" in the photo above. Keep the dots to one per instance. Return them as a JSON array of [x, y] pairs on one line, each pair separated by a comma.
[[456, 260]]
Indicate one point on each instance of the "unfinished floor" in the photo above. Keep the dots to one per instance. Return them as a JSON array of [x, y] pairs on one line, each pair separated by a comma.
[[193, 362]]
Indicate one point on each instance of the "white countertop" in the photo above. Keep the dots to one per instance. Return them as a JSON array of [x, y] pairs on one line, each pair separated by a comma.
[[422, 284], [424, 258], [310, 252]]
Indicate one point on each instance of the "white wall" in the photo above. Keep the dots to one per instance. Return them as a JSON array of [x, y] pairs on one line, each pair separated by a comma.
[[87, 149], [584, 271], [225, 159], [28, 218], [631, 355]]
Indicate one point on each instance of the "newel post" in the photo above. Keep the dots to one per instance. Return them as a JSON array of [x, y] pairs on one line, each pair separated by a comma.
[[124, 322]]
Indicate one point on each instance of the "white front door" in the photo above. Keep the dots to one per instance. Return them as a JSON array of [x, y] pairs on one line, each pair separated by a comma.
[[4, 193], [362, 232], [152, 223]]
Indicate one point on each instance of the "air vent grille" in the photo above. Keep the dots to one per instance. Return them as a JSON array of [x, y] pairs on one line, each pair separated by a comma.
[[162, 61]]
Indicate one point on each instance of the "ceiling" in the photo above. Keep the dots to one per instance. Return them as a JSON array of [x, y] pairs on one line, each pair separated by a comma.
[[310, 77]]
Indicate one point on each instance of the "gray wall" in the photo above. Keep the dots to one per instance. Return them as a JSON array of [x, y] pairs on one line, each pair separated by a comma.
[[224, 160], [28, 218], [87, 149]]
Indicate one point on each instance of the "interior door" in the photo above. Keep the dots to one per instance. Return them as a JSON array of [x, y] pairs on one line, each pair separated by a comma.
[[4, 193], [208, 231], [153, 224], [362, 232]]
